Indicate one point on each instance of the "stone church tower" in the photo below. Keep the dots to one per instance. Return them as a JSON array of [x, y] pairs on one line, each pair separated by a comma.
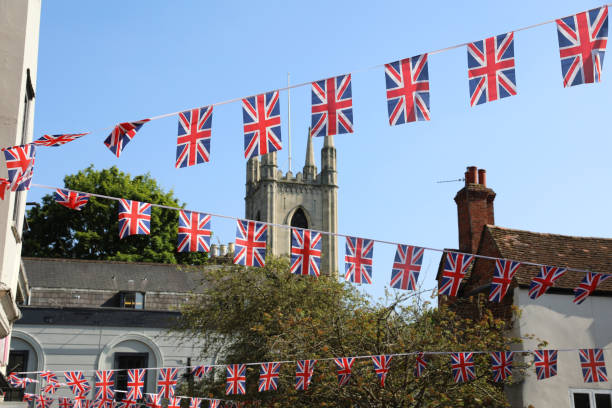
[[308, 200]]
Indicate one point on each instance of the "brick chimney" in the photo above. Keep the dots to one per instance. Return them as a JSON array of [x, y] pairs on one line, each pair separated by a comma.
[[474, 209]]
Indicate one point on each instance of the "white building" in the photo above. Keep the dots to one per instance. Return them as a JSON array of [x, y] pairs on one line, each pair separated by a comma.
[[19, 28]]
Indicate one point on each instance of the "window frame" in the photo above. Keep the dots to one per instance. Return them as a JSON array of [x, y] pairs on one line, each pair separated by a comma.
[[591, 393], [135, 293]]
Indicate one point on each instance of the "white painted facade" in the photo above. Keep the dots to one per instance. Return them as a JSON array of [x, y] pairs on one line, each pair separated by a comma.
[[564, 325], [19, 30]]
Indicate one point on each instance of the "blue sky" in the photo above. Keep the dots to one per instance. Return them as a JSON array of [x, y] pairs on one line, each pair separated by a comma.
[[546, 150]]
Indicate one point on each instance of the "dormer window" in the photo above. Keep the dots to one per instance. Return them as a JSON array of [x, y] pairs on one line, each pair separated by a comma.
[[131, 300]]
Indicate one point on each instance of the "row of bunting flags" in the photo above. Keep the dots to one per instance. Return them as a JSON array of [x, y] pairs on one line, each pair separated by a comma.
[[592, 364], [491, 75], [194, 233]]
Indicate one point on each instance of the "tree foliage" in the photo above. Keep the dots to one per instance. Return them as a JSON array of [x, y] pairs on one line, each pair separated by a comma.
[[92, 233], [267, 314]]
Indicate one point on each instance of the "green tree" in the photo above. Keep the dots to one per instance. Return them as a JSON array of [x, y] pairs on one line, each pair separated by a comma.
[[267, 314], [92, 233]]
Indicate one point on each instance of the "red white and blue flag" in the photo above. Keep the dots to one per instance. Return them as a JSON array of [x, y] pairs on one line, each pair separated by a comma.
[[502, 278], [122, 134], [588, 285], [71, 199], [406, 267], [20, 165], [344, 366], [262, 130], [332, 106], [77, 383], [268, 376], [49, 376], [18, 382], [582, 45], [236, 379], [303, 374], [174, 402], [214, 403], [501, 364], [250, 249], [593, 365], [194, 402], [51, 387], [545, 279], [28, 397], [57, 140], [134, 218], [381, 367], [462, 365], [420, 365], [5, 185], [42, 401], [64, 402], [455, 269], [153, 400], [166, 382], [135, 384], [545, 362], [194, 133], [305, 252], [193, 232], [407, 90], [358, 260], [201, 370], [491, 69], [104, 386]]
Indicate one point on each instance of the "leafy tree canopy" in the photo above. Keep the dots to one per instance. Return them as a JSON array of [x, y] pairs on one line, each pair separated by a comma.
[[267, 315], [54, 231]]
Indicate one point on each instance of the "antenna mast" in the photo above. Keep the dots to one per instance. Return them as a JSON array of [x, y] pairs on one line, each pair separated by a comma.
[[289, 122]]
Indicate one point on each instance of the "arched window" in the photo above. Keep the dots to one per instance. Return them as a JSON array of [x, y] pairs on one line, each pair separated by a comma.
[[299, 219]]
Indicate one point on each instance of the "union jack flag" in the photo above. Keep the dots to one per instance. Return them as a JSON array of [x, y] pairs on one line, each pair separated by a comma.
[[48, 376], [406, 267], [305, 252], [462, 365], [77, 383], [545, 363], [51, 387], [501, 364], [64, 402], [42, 401], [166, 381], [153, 400], [261, 118], [134, 218], [358, 260], [381, 367], [104, 390], [20, 165], [236, 379], [407, 90], [332, 106], [214, 403], [174, 402], [250, 249], [504, 272], [5, 185], [58, 140], [268, 376], [194, 132], [193, 232], [201, 370], [582, 44], [194, 402], [491, 69], [588, 285], [345, 366], [303, 375], [28, 397], [455, 268], [593, 365], [71, 199], [420, 365], [135, 385], [545, 279], [122, 134], [19, 382]]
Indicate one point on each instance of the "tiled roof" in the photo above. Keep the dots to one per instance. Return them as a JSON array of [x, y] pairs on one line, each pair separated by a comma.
[[593, 254], [112, 275]]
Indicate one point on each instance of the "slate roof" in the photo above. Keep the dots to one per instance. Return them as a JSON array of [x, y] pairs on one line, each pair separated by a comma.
[[112, 275], [593, 254]]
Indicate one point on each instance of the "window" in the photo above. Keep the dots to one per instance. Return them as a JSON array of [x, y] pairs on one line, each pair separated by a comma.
[[299, 219], [18, 361], [591, 398], [131, 300], [124, 362]]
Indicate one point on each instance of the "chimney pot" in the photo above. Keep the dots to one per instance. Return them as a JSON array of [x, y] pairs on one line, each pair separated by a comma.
[[471, 175], [482, 177]]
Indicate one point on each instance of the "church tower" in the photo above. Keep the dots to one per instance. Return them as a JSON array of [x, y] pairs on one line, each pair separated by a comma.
[[306, 200]]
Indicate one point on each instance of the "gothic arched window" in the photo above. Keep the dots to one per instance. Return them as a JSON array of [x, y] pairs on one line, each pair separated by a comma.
[[299, 219]]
